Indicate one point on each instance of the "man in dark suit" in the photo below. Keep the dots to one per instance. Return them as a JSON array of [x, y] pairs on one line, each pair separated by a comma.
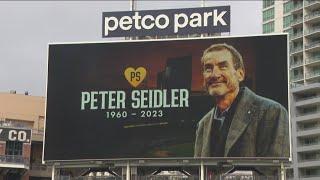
[[241, 124]]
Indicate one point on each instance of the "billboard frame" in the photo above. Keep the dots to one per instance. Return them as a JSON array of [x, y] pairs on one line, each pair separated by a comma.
[[271, 161]]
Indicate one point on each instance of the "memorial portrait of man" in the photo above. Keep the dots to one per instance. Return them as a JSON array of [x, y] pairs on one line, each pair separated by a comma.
[[241, 123]]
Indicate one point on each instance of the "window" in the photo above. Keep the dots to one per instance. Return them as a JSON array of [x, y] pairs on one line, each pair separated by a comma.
[[267, 3], [315, 55], [13, 148], [309, 110], [313, 155], [269, 27], [310, 125], [268, 14], [296, 72], [290, 31], [287, 7], [287, 21], [311, 140]]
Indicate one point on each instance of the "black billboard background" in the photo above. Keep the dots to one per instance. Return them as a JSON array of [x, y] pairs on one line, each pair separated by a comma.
[[74, 134]]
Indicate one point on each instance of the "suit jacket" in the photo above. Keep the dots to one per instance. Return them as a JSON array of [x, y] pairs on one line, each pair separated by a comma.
[[259, 128]]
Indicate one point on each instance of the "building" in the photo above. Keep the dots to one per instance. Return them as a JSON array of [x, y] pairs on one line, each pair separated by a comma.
[[21, 160], [301, 19]]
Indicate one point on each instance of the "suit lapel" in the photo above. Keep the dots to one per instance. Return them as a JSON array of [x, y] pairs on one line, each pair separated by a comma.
[[242, 117]]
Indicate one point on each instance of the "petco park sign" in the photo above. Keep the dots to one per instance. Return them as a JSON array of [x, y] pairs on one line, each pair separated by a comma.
[[166, 22]]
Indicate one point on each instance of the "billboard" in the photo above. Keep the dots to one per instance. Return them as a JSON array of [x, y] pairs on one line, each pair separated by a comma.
[[179, 98]]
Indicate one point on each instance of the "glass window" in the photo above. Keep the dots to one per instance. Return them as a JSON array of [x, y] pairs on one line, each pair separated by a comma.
[[268, 14], [287, 21], [316, 55], [288, 6], [13, 148], [269, 27], [290, 31], [267, 3]]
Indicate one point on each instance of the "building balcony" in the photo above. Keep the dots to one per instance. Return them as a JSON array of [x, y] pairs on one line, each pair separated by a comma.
[[297, 22], [296, 36], [308, 132], [313, 60], [313, 46], [296, 50], [296, 78], [308, 101], [312, 4], [297, 64], [312, 32], [14, 161], [308, 113], [312, 17], [312, 74], [308, 147], [301, 89], [310, 128], [309, 177], [295, 85], [307, 116], [309, 163], [297, 8]]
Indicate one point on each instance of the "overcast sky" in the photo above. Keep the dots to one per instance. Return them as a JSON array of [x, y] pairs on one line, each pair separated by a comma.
[[27, 27]]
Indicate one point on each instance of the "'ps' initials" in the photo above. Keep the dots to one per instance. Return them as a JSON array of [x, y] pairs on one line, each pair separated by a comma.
[[135, 76]]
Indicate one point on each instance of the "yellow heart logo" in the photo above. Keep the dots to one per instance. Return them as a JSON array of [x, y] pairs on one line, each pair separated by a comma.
[[135, 76]]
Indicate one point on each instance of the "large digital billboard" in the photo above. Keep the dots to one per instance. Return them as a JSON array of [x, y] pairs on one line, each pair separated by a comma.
[[178, 98]]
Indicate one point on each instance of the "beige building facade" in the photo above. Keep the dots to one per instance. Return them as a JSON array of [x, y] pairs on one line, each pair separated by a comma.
[[20, 160]]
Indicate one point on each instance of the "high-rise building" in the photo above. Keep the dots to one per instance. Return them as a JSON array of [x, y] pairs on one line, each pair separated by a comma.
[[301, 19]]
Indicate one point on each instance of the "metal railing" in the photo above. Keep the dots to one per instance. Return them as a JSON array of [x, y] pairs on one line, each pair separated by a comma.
[[14, 159], [312, 15]]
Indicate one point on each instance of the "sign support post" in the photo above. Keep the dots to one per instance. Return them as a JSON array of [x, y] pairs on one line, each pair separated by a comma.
[[201, 171], [53, 172], [128, 173], [283, 172]]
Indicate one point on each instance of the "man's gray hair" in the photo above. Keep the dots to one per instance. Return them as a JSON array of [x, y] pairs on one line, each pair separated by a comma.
[[237, 58]]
